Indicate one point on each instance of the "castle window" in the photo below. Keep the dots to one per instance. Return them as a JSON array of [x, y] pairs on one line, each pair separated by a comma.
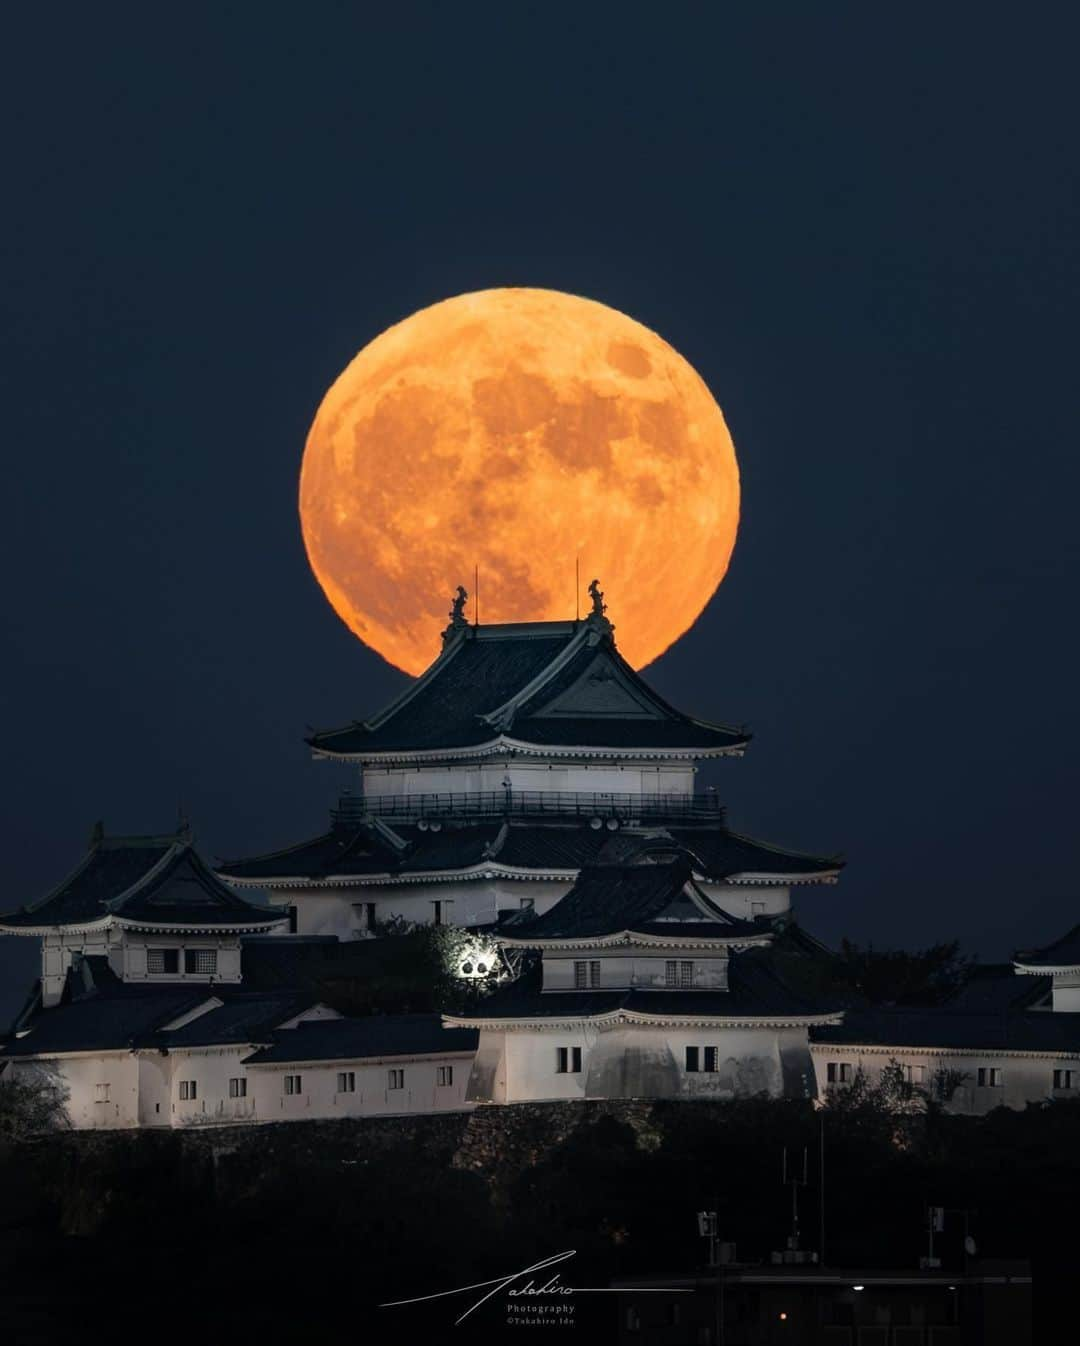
[[1064, 1079], [710, 1060], [292, 1084], [238, 1088], [101, 1093], [159, 961], [838, 1072], [692, 1059], [442, 910], [568, 1060], [365, 916], [346, 1082], [444, 1075], [188, 1091], [678, 973], [203, 962], [586, 973], [915, 1074], [989, 1077], [293, 914], [395, 1079]]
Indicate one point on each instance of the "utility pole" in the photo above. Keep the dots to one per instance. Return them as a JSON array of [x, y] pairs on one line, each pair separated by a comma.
[[821, 1190]]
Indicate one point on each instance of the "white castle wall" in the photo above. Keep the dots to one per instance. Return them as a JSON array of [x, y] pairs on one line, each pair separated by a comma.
[[621, 778], [319, 1096], [1026, 1077]]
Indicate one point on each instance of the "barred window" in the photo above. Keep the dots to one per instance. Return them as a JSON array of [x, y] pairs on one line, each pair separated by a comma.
[[671, 973], [692, 1059], [162, 960], [238, 1088], [710, 1060], [346, 1082], [395, 1079], [586, 974], [989, 1077], [293, 1084], [838, 1072], [686, 974], [1064, 1079], [201, 961], [444, 1075], [188, 1090], [101, 1093]]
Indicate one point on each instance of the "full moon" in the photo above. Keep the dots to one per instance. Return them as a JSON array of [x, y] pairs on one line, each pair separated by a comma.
[[523, 433]]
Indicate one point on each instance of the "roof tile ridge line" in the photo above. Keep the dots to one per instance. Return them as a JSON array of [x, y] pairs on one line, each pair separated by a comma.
[[625, 666], [217, 887], [837, 861], [388, 834], [502, 717], [174, 852], [220, 867], [58, 888], [452, 646], [121, 898], [495, 845]]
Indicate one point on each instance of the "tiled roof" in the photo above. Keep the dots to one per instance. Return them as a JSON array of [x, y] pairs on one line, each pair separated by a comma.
[[101, 1013], [1064, 952], [356, 1039], [152, 880], [358, 850], [997, 987], [1036, 1030], [607, 899], [482, 670], [754, 991]]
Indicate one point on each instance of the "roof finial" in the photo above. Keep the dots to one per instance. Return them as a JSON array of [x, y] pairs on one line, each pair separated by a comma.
[[597, 618], [457, 613]]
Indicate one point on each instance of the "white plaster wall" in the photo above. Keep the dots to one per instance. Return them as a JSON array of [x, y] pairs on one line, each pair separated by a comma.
[[1066, 992], [128, 958], [333, 911], [81, 1075], [468, 778], [1025, 1079], [749, 1061], [745, 901], [56, 954], [625, 967], [211, 1068], [319, 1097]]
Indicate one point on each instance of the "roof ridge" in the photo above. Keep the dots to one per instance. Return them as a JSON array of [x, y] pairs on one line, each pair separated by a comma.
[[502, 717], [121, 899]]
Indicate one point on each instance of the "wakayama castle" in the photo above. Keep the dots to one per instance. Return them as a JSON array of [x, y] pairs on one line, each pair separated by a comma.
[[531, 793]]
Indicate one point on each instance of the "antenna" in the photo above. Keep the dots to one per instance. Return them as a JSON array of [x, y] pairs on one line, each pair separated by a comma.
[[794, 1182], [476, 595], [577, 588]]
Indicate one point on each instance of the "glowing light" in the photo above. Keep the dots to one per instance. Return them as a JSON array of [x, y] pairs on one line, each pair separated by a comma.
[[518, 430]]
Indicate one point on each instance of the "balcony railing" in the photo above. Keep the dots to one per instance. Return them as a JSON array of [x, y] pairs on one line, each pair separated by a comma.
[[352, 809]]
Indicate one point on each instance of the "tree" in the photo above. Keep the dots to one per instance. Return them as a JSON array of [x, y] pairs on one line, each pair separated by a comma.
[[32, 1102], [899, 977]]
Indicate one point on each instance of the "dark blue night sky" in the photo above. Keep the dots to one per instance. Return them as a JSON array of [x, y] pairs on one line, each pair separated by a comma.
[[859, 223]]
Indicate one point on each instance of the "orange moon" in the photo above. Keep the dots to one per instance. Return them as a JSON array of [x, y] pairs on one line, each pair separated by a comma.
[[518, 430]]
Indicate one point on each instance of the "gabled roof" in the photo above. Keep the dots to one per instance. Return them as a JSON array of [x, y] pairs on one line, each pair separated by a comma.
[[151, 881], [946, 1028], [356, 850], [545, 684], [377, 1035], [1063, 953], [755, 991], [658, 900]]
